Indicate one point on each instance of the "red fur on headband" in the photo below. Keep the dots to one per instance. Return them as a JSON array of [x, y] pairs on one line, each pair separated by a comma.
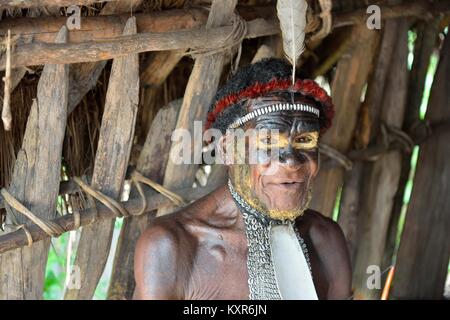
[[308, 88]]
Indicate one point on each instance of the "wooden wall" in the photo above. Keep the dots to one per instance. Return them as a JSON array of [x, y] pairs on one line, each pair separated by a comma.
[[377, 99]]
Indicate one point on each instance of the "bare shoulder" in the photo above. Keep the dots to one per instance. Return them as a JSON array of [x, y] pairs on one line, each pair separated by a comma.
[[159, 260], [331, 246], [323, 229]]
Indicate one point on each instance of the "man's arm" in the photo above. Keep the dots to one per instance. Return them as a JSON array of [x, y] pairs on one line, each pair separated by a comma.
[[335, 258], [155, 265]]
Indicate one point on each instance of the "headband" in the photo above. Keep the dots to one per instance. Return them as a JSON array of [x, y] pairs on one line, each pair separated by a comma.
[[307, 88]]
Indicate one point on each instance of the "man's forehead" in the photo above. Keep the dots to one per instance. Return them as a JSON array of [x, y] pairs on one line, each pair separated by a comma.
[[289, 121], [284, 120]]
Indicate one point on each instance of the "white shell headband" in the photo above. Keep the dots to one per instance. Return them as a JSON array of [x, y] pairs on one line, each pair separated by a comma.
[[274, 108]]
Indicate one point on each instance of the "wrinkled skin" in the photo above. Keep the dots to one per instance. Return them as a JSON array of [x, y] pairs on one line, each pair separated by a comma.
[[286, 161], [200, 252]]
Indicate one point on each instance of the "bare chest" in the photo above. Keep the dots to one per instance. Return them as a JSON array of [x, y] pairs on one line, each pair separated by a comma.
[[219, 267]]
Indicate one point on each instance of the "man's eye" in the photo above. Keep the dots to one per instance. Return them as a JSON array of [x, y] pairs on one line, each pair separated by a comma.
[[303, 140]]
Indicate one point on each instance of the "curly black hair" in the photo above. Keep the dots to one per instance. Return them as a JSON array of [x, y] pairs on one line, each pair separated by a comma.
[[262, 71]]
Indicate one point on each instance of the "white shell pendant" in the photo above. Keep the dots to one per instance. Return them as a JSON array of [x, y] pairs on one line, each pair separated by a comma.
[[291, 269]]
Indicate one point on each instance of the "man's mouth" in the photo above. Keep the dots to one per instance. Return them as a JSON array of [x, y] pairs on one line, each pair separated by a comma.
[[290, 185]]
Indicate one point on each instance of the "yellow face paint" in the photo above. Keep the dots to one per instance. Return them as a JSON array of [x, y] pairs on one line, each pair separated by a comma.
[[242, 183], [306, 140], [303, 141]]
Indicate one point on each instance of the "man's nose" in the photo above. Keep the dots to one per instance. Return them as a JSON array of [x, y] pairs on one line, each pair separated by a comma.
[[291, 160]]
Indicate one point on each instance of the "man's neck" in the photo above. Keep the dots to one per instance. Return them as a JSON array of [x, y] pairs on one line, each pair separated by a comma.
[[220, 210]]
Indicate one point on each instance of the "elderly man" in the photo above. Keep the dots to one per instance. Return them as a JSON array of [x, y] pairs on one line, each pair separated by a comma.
[[254, 238]]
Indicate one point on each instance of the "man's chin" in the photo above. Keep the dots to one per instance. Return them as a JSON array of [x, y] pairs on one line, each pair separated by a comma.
[[292, 214], [286, 209]]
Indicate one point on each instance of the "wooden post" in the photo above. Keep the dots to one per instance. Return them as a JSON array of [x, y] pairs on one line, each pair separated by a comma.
[[84, 76], [380, 181], [36, 179], [425, 44], [351, 76], [422, 259], [151, 163], [367, 129], [200, 90], [114, 147]]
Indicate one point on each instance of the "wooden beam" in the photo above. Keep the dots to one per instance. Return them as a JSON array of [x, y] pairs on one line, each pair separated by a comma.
[[114, 147], [381, 177], [151, 163], [349, 80], [159, 66], [200, 90], [22, 4], [422, 259], [84, 76], [102, 27], [90, 216], [41, 53], [38, 164]]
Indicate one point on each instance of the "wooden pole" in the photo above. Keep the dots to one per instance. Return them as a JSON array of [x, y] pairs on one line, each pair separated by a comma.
[[84, 76], [41, 53], [351, 76], [425, 44], [422, 259], [114, 147], [38, 164], [110, 24], [366, 132], [151, 163], [381, 177], [102, 27], [89, 216], [200, 90]]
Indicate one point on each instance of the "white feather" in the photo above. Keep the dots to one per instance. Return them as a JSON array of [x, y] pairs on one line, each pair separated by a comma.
[[292, 16]]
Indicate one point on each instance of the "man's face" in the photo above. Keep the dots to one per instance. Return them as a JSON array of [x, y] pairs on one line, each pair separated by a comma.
[[286, 154]]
